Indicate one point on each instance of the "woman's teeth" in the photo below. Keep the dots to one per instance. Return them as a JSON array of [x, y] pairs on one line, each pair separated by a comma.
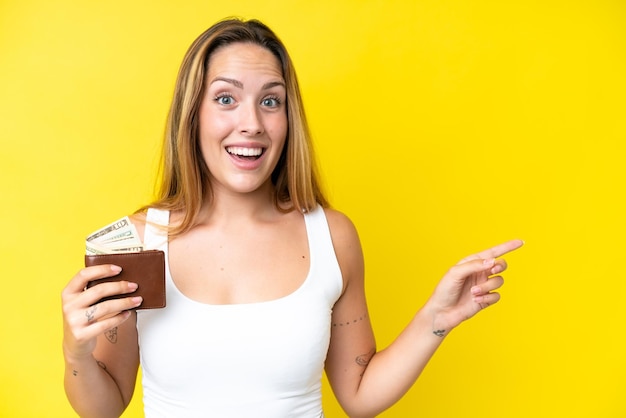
[[244, 152]]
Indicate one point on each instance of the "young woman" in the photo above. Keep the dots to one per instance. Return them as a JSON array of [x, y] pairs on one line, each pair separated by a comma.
[[265, 283]]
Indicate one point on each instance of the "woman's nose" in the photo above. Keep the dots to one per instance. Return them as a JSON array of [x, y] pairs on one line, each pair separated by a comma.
[[250, 122]]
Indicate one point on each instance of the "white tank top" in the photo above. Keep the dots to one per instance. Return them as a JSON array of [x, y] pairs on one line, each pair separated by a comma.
[[261, 360]]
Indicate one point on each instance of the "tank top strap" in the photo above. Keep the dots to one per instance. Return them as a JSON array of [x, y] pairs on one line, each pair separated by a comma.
[[155, 237], [324, 264]]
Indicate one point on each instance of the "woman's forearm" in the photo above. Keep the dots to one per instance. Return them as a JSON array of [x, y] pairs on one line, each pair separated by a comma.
[[91, 390], [392, 371]]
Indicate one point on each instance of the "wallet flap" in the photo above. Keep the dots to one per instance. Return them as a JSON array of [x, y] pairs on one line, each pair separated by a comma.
[[146, 268]]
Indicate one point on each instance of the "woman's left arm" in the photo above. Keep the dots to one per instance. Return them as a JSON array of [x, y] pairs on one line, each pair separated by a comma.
[[367, 382]]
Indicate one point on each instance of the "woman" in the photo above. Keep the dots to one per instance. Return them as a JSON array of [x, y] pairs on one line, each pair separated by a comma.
[[265, 283]]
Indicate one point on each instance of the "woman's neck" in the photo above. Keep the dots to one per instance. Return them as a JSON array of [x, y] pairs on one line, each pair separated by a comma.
[[226, 206]]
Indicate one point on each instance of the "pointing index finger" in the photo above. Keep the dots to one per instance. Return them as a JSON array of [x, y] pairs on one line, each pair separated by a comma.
[[497, 251]]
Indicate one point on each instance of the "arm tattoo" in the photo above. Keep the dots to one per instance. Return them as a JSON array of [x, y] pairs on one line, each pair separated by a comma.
[[438, 332], [101, 364], [354, 321], [111, 335], [364, 359]]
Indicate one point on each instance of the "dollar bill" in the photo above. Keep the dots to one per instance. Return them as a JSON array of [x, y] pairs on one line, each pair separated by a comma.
[[120, 236], [112, 228]]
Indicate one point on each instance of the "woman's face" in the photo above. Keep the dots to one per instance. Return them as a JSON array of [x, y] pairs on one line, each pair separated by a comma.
[[243, 117]]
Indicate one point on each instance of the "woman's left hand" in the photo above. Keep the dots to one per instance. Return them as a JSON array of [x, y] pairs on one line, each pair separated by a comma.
[[469, 287]]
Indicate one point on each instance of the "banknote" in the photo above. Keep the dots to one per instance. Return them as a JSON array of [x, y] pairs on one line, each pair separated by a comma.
[[120, 236]]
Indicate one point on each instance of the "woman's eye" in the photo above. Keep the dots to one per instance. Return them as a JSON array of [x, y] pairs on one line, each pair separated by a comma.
[[224, 100], [271, 101]]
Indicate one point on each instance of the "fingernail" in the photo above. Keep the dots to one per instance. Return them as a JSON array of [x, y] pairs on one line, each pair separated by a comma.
[[137, 300], [488, 262], [475, 290], [116, 269], [132, 286]]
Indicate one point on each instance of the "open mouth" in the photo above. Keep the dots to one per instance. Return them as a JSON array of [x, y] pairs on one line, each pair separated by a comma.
[[245, 153]]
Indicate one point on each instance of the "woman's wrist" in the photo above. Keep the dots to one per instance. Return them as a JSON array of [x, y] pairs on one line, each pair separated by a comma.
[[72, 357], [441, 324]]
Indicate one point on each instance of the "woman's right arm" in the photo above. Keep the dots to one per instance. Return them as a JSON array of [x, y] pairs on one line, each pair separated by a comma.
[[99, 343]]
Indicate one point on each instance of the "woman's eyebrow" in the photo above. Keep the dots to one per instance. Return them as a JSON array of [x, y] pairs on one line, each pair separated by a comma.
[[239, 84], [232, 81], [271, 84]]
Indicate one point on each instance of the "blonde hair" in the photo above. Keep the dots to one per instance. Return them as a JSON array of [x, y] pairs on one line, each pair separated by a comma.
[[184, 174]]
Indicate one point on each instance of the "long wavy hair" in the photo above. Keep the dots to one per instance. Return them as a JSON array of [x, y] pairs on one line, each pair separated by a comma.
[[184, 175]]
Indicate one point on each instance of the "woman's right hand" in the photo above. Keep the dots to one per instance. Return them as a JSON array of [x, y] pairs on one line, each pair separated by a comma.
[[84, 318]]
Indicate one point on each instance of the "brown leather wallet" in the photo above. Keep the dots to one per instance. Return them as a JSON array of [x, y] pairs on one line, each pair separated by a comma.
[[146, 268]]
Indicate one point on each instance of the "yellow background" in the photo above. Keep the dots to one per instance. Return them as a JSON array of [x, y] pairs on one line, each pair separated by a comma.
[[442, 127]]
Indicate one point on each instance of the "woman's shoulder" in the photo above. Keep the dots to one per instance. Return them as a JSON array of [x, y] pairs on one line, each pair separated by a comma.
[[339, 223]]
